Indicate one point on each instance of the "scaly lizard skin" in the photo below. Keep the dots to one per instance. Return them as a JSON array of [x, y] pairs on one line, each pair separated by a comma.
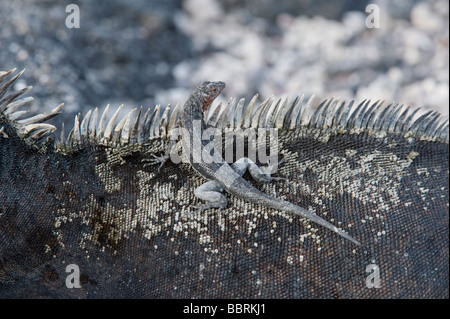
[[379, 172], [221, 175]]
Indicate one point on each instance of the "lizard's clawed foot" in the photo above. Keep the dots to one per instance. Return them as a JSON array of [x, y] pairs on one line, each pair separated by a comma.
[[269, 169], [281, 162], [161, 160]]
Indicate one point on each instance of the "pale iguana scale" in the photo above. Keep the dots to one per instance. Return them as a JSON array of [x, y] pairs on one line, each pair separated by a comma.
[[379, 172]]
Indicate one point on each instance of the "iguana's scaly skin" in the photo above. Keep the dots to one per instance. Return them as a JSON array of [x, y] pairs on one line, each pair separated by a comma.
[[378, 172]]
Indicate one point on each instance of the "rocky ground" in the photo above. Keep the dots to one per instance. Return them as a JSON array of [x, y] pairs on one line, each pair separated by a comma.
[[148, 52]]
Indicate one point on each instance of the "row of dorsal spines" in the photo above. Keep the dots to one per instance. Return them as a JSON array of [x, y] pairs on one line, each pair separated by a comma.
[[332, 115], [33, 129], [130, 128]]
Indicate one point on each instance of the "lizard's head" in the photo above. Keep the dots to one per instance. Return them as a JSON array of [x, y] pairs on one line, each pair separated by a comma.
[[209, 91]]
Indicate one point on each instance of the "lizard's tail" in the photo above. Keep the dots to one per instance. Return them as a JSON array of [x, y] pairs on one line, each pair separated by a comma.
[[256, 196], [297, 210]]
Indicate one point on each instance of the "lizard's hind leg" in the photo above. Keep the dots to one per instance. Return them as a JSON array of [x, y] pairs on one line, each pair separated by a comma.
[[211, 192], [259, 174]]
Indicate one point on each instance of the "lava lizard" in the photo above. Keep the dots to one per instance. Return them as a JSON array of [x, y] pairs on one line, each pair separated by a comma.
[[223, 176]]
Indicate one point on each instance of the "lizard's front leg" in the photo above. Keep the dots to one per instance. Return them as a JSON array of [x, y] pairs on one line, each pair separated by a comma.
[[162, 159]]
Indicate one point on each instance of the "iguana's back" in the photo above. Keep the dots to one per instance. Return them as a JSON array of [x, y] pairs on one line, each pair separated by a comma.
[[92, 203]]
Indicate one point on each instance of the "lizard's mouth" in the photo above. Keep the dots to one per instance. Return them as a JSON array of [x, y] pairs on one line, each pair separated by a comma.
[[213, 90], [206, 103]]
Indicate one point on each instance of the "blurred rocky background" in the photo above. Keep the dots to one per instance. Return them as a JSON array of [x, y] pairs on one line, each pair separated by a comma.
[[147, 52]]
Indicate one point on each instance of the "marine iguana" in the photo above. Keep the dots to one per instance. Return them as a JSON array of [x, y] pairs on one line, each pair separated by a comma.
[[378, 171]]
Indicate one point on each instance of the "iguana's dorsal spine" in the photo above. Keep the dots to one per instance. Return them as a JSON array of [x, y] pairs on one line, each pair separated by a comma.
[[131, 230], [331, 117]]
